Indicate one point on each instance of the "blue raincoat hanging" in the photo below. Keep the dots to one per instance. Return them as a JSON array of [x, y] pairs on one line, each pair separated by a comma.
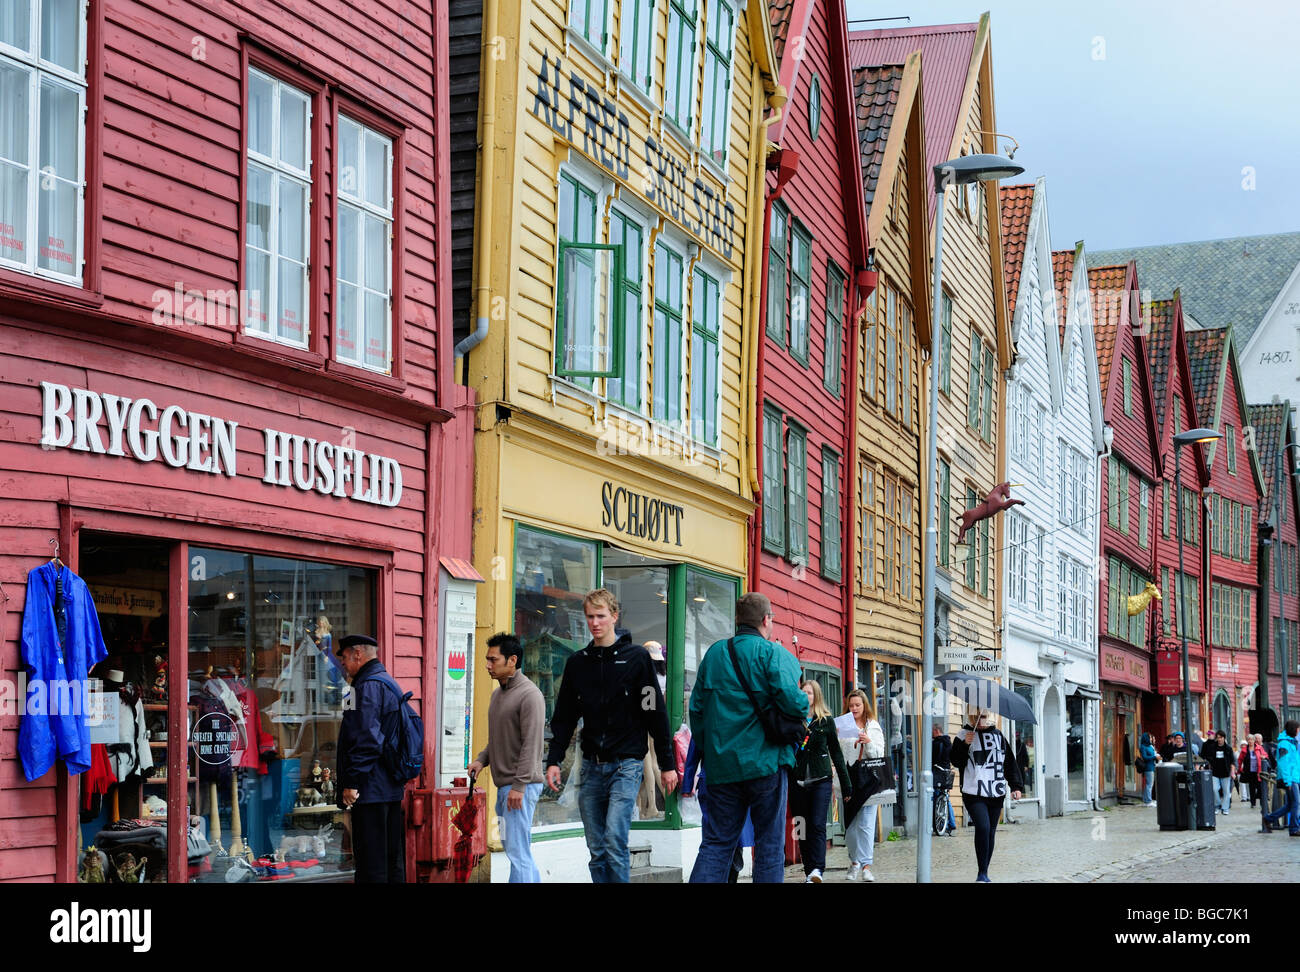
[[61, 644]]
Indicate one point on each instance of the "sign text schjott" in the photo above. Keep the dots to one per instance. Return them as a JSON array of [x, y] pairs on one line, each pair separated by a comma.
[[86, 421]]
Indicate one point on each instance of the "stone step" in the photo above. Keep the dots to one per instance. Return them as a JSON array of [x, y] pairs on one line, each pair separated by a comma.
[[655, 875], [640, 856]]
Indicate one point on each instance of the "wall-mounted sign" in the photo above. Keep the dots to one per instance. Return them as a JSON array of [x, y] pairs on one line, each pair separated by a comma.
[[1120, 666], [86, 421], [640, 515], [1169, 673], [128, 600], [588, 119]]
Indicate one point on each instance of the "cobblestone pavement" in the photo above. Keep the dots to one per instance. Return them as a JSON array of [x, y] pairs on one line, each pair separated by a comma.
[[1121, 843]]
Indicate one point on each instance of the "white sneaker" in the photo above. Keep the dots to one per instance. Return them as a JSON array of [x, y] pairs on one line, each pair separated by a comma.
[[866, 873], [815, 877], [854, 870]]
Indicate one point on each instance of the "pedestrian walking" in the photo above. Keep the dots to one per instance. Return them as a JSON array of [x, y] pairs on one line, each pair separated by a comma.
[[810, 787], [745, 769], [988, 773], [1148, 757], [694, 782], [941, 760], [1252, 763], [859, 812], [1223, 766], [611, 686], [1196, 742], [516, 723], [366, 785], [1288, 776]]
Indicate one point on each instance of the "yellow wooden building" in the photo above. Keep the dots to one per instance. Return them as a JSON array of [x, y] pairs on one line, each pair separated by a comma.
[[616, 250]]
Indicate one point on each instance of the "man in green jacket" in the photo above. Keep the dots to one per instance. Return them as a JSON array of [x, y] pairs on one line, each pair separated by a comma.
[[745, 771]]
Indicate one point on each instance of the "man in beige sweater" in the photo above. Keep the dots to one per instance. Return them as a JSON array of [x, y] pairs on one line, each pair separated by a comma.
[[516, 718]]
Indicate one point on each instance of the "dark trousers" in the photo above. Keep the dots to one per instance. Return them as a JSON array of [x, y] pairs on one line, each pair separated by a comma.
[[1288, 811], [764, 801], [984, 813], [379, 843], [808, 808]]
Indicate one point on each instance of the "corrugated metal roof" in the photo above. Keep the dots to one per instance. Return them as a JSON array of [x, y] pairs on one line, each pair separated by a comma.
[[1017, 206], [946, 52], [875, 96]]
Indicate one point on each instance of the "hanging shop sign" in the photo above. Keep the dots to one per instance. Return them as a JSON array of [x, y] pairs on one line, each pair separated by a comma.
[[86, 421], [1169, 673], [587, 118], [640, 515], [1120, 666]]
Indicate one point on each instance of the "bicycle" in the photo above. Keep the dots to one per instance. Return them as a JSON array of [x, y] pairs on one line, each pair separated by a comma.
[[942, 804]]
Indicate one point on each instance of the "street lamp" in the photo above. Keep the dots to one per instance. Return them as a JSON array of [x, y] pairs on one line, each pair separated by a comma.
[[955, 172], [1180, 440]]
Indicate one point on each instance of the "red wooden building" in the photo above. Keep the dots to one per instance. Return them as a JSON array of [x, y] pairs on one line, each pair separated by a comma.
[[1229, 543], [815, 248], [227, 395]]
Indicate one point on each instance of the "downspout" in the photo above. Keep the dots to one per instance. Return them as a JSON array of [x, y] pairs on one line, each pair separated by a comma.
[[758, 315], [486, 185]]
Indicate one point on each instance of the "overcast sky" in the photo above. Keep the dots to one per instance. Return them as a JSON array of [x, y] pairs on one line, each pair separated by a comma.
[[1143, 114]]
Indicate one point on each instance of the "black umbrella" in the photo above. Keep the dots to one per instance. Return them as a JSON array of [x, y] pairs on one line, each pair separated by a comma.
[[981, 693]]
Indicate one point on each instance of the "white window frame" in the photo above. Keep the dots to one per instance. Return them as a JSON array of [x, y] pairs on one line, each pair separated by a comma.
[[279, 172], [364, 209], [41, 70], [685, 125], [644, 12]]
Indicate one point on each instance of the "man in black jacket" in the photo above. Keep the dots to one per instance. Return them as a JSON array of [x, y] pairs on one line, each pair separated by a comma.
[[365, 785], [1223, 765], [611, 686], [940, 759]]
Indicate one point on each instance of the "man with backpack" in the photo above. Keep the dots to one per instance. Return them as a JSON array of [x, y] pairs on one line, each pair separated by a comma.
[[378, 747]]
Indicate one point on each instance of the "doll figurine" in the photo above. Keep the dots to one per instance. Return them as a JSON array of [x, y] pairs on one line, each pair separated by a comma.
[[92, 868], [327, 786], [129, 872]]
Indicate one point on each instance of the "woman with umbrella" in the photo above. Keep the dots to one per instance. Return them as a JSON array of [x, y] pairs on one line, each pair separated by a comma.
[[988, 771]]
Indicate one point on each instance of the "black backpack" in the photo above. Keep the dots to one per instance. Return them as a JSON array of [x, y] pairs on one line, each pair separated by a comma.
[[778, 728], [403, 754]]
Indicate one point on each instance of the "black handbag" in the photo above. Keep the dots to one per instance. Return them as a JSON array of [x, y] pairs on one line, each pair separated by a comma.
[[779, 729], [873, 775]]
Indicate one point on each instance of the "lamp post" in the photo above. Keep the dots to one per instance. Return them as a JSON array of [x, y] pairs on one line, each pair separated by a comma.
[[1180, 440], [955, 172]]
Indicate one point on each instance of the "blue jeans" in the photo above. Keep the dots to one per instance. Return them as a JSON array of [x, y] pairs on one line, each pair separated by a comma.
[[764, 799], [606, 797], [1148, 781], [1224, 785], [1291, 807], [517, 834]]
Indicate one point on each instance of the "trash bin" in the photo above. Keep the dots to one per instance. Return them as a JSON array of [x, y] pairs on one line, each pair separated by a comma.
[[1171, 797], [1206, 799]]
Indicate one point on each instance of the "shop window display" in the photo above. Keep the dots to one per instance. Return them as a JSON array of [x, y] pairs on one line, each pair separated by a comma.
[[1025, 744]]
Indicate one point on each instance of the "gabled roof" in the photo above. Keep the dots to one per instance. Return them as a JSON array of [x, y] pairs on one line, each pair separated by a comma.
[[1233, 281], [1062, 273], [1017, 207], [1272, 425], [780, 11], [946, 55], [1159, 315], [1205, 350], [875, 96], [1108, 297]]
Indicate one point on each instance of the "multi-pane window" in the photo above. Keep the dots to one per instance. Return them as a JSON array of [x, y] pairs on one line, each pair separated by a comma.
[[1176, 587], [986, 552], [1128, 386], [1041, 440], [1124, 522], [800, 279], [773, 480], [945, 511], [1123, 581], [705, 327], [1189, 517], [778, 231], [42, 136], [870, 349], [889, 562], [831, 542], [590, 20], [891, 351], [667, 360], [987, 390], [905, 364], [1073, 600], [1064, 488], [970, 541], [1024, 415], [1144, 512], [1232, 616], [868, 526], [796, 483], [1038, 569], [363, 311], [1017, 558], [1117, 506], [589, 307], [1164, 508], [625, 389], [1230, 448], [906, 539], [679, 68], [979, 403], [945, 345], [636, 34], [719, 38], [1079, 485], [831, 369], [277, 210], [973, 386]]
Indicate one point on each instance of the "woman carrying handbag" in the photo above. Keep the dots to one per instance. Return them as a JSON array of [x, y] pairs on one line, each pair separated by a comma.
[[810, 783], [988, 772], [864, 751]]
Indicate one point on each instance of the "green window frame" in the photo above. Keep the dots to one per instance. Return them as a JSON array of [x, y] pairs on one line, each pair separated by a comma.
[[1245, 537], [625, 389], [1124, 511], [832, 540], [1164, 508], [667, 360], [1128, 386], [706, 325], [778, 241], [1189, 517], [945, 345], [1144, 513], [773, 480], [835, 295], [636, 37], [719, 45], [985, 541], [589, 275], [796, 491], [988, 391], [800, 290], [973, 389], [1230, 448], [814, 107], [1112, 491], [945, 512], [868, 525], [589, 19], [871, 345], [970, 558], [679, 66]]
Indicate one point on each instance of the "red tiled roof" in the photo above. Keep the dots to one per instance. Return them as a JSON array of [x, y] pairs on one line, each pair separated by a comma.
[[780, 11], [1017, 205], [875, 96], [1159, 318], [946, 52], [1205, 362], [1271, 422], [1108, 295], [1062, 272]]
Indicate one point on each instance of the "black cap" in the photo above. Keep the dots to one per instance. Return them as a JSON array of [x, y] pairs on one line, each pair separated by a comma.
[[352, 641]]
